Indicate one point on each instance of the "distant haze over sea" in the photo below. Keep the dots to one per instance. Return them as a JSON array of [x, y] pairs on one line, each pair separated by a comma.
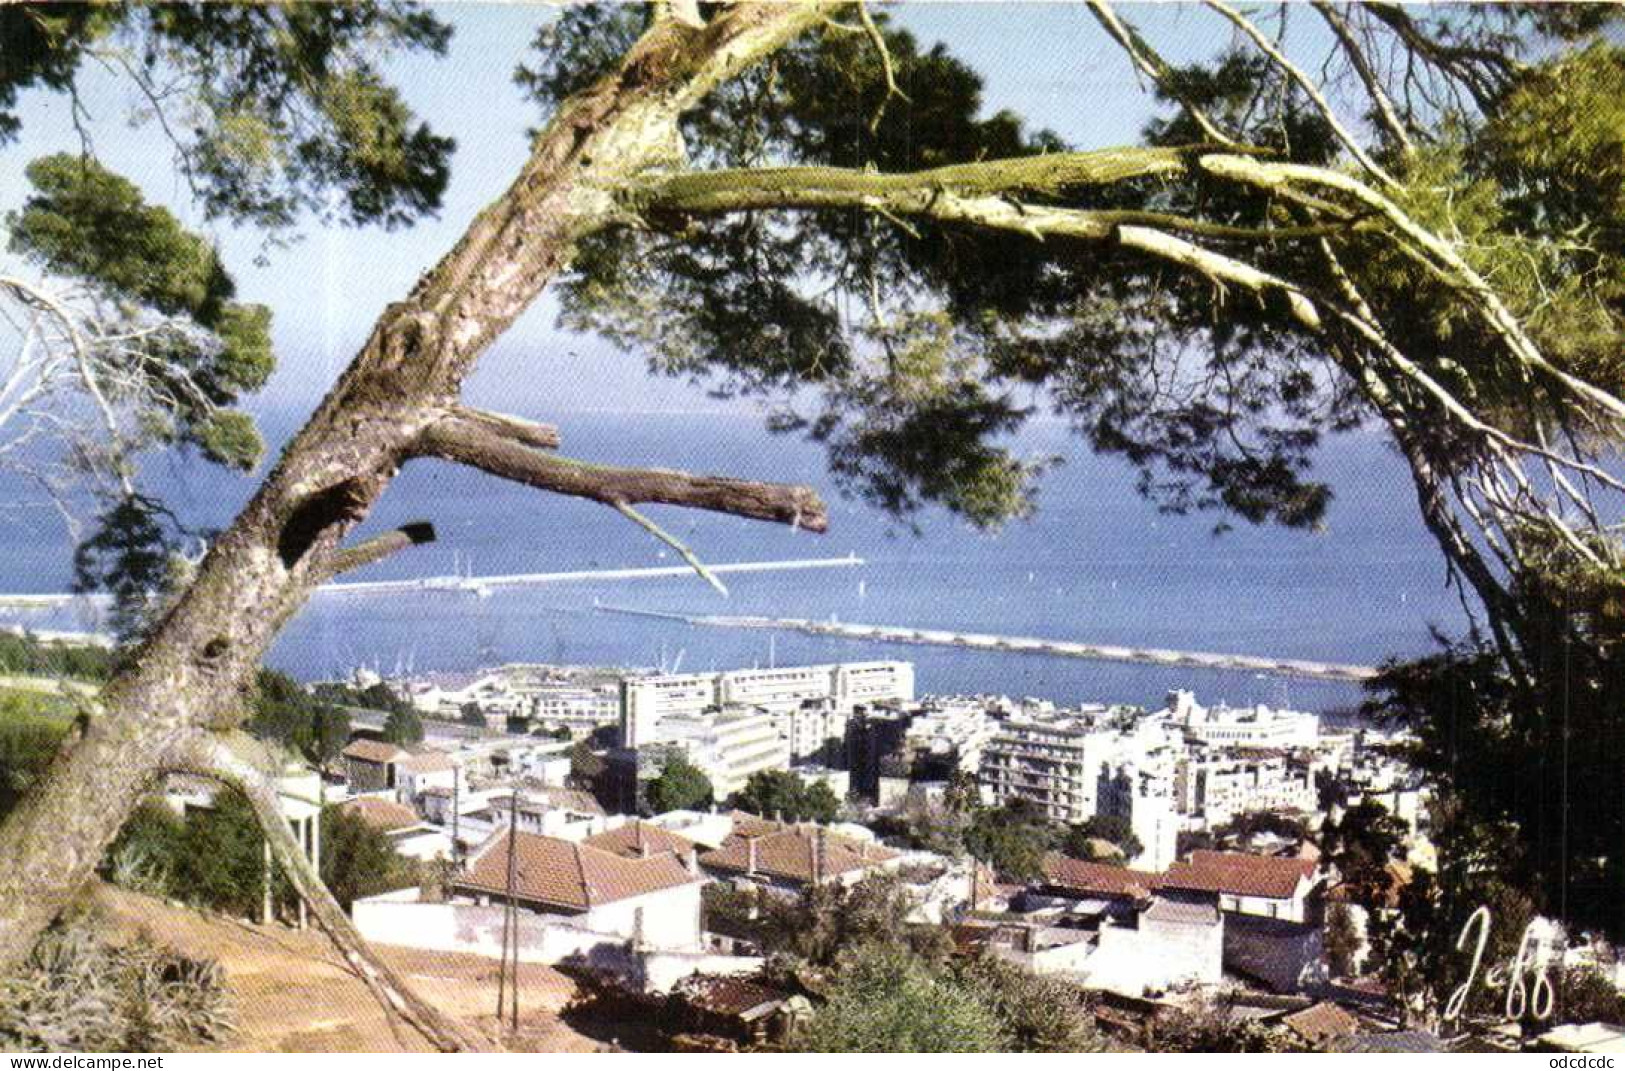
[[1097, 564]]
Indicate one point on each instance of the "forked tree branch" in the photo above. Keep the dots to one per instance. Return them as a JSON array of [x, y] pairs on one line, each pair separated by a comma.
[[1305, 83], [1146, 59], [980, 195], [480, 444], [878, 39], [520, 430]]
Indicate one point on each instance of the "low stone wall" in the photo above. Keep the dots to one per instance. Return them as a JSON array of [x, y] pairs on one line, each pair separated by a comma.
[[401, 918]]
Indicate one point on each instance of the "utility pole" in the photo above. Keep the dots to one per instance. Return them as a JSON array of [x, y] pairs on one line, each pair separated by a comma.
[[508, 989], [456, 814]]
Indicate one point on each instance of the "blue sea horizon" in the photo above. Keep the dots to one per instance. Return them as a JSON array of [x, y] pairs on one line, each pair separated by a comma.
[[1097, 564]]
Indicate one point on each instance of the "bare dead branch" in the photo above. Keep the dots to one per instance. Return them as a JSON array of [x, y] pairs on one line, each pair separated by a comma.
[[349, 559], [1368, 76], [1307, 84], [676, 544], [1482, 71], [879, 40], [1146, 59], [480, 445], [1221, 269], [39, 298]]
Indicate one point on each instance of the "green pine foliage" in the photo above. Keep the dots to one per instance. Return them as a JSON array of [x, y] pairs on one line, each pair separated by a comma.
[[681, 786], [358, 861], [885, 998], [32, 727], [1012, 838], [404, 726], [214, 858], [288, 714], [782, 796], [29, 656], [285, 104]]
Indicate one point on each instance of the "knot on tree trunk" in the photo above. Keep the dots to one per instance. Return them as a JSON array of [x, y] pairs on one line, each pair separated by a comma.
[[337, 504]]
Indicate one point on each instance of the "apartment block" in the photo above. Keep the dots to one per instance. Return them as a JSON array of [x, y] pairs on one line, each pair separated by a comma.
[[1053, 764], [729, 746], [1257, 726], [646, 700], [1216, 789]]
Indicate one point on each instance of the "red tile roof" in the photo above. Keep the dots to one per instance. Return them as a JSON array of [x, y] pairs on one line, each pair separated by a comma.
[[1396, 876], [561, 873], [1239, 874], [740, 998], [787, 852], [1322, 1022], [1097, 879], [427, 762], [384, 815], [369, 750], [749, 825], [638, 840]]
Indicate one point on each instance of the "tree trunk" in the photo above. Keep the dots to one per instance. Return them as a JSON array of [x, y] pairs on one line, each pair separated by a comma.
[[184, 683]]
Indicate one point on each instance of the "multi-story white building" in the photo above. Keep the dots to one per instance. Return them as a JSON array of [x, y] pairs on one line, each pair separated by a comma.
[[810, 729], [1145, 797], [960, 727], [579, 708], [1257, 726], [728, 746], [646, 700], [858, 684], [1053, 764], [1212, 790]]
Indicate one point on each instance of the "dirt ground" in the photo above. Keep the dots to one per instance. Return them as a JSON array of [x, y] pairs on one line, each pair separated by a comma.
[[292, 993]]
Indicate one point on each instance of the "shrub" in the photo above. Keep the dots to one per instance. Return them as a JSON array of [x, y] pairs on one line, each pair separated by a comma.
[[31, 730], [887, 1000], [79, 992]]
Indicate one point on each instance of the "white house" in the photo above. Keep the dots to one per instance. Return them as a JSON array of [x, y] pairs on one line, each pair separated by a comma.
[[407, 833], [424, 772], [1261, 885], [652, 900], [553, 812]]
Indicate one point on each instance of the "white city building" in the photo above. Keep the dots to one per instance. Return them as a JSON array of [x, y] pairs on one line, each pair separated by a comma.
[[1053, 764], [961, 727], [646, 700], [1257, 726], [579, 708], [1145, 797], [808, 729], [1213, 789], [728, 746]]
